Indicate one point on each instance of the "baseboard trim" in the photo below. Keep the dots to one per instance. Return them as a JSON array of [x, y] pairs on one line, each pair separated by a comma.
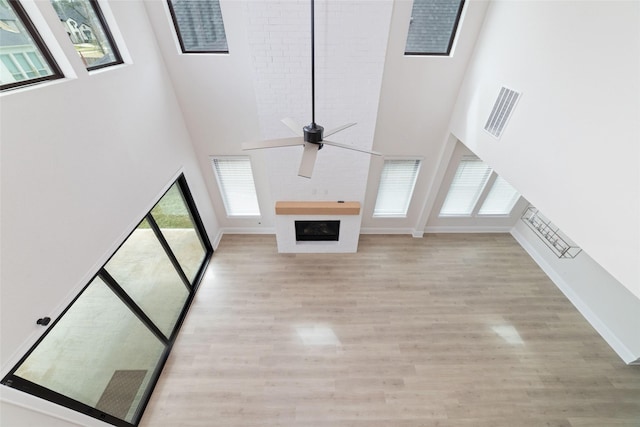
[[467, 229], [216, 240], [371, 230], [607, 334]]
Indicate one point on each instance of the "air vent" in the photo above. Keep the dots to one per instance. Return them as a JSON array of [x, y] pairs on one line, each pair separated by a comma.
[[501, 112]]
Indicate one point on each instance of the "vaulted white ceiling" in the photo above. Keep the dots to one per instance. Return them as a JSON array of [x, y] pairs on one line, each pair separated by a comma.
[[402, 104]]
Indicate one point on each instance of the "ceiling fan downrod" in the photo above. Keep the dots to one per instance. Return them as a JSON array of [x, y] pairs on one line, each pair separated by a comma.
[[313, 132]]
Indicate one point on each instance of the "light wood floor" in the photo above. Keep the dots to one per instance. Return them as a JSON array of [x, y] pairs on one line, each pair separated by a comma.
[[449, 330]]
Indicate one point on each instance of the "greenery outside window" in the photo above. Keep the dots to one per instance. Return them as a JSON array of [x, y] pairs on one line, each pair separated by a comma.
[[24, 58], [87, 28]]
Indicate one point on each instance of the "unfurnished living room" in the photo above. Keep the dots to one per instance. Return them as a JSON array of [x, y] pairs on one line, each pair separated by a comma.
[[314, 213]]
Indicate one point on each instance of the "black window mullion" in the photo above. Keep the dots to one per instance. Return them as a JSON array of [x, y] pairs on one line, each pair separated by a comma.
[[195, 216], [135, 308], [165, 245], [35, 389], [56, 73], [108, 35], [187, 30]]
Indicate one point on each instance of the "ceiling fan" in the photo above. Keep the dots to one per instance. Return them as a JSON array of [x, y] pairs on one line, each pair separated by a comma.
[[312, 135]]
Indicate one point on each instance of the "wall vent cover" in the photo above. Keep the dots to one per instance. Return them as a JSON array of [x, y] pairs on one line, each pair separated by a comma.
[[502, 110]]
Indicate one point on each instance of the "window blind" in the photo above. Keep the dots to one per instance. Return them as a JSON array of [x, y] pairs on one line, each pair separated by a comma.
[[199, 25], [235, 180], [433, 26], [500, 200], [470, 178], [396, 187]]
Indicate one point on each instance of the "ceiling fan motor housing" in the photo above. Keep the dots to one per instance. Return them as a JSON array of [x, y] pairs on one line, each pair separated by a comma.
[[313, 133]]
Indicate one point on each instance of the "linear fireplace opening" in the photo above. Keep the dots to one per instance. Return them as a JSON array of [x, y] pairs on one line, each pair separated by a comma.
[[317, 231]]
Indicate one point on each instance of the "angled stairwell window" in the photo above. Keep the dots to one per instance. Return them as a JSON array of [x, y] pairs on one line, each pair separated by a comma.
[[24, 58], [237, 188], [433, 27], [87, 28], [199, 26], [397, 182]]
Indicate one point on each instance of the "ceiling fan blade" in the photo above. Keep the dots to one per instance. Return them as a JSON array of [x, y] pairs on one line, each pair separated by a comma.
[[308, 159], [350, 147], [338, 129], [293, 125], [273, 143]]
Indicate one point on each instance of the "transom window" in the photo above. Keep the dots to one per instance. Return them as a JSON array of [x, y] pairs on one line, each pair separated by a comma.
[[433, 26], [24, 58], [85, 24], [199, 26], [235, 181], [477, 190], [397, 182]]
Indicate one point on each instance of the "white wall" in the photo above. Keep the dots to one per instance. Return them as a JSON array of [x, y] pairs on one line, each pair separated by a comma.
[[351, 41], [230, 99], [83, 160], [610, 307], [571, 147], [217, 97], [417, 97]]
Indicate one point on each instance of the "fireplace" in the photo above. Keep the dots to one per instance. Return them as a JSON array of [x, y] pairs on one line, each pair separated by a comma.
[[317, 231]]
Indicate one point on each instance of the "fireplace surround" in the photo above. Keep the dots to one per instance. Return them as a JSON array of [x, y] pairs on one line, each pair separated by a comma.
[[334, 226]]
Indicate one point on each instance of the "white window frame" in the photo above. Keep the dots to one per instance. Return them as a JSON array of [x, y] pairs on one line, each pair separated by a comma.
[[481, 198], [513, 202], [402, 211], [223, 191]]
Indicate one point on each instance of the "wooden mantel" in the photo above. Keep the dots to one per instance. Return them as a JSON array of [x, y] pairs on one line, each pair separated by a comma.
[[317, 208]]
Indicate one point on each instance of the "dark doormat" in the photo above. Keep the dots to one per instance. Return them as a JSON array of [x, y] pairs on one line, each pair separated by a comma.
[[119, 394]]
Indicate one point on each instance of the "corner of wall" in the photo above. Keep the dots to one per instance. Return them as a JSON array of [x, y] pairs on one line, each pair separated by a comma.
[[603, 301]]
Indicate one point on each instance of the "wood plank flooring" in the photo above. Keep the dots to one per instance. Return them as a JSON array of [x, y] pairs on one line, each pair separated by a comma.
[[448, 331]]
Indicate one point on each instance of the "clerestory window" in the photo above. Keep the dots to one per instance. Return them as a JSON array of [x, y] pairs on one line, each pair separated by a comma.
[[24, 58], [88, 30], [433, 27], [199, 26]]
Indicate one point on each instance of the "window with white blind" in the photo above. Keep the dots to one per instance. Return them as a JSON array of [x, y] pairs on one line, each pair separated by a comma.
[[235, 180], [476, 190], [467, 185], [396, 187], [501, 199], [433, 26], [199, 26]]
